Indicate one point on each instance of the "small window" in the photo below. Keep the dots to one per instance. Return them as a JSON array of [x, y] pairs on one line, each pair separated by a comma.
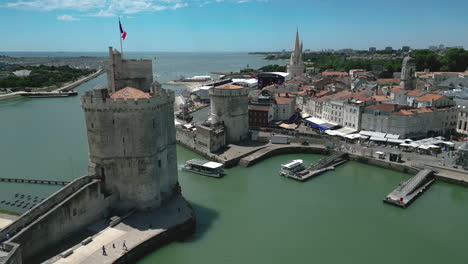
[[159, 163]]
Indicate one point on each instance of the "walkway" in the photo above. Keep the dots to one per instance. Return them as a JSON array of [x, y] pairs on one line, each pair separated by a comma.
[[136, 229]]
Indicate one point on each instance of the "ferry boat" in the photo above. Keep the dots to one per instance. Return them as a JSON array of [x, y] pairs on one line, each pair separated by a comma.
[[49, 94], [204, 167], [294, 169]]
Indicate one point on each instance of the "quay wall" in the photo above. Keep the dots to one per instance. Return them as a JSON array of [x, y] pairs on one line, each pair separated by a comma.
[[454, 180], [44, 206], [85, 206], [175, 233], [384, 164], [270, 152]]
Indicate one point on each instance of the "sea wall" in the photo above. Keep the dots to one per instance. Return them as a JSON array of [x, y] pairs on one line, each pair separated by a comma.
[[70, 216], [401, 167], [189, 140], [279, 150], [44, 206], [178, 232]]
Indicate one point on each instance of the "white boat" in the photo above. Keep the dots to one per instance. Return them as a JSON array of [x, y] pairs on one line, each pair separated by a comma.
[[294, 169], [204, 167]]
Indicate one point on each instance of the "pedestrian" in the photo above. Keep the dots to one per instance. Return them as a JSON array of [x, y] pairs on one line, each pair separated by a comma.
[[124, 246], [113, 245], [104, 251]]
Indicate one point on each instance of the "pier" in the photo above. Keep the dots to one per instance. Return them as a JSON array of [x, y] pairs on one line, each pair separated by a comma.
[[50, 182], [409, 190], [325, 164]]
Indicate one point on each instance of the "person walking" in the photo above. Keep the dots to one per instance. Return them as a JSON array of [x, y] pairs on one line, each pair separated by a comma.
[[104, 251], [124, 246]]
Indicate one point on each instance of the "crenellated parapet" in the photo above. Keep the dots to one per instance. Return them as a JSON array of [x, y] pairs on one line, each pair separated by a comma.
[[92, 102], [229, 92]]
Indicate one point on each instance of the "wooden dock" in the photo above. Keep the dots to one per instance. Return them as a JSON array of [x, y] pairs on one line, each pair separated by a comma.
[[49, 182], [409, 190]]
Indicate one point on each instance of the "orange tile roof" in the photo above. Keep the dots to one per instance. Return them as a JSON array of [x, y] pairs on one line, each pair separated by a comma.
[[334, 73], [381, 98], [229, 87], [416, 93], [397, 89], [389, 80], [130, 93], [413, 111], [386, 107], [283, 100], [429, 97]]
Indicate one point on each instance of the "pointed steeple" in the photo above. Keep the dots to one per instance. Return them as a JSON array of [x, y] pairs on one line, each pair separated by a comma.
[[296, 43], [296, 66]]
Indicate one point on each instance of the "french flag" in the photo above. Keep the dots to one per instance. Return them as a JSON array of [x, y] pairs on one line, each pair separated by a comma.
[[123, 34]]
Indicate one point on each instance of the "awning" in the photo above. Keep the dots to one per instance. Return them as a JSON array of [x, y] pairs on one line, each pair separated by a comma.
[[353, 136], [405, 145], [288, 126], [393, 136], [380, 153], [424, 147], [372, 134], [293, 118], [397, 141], [314, 120], [379, 139], [305, 115], [344, 131]]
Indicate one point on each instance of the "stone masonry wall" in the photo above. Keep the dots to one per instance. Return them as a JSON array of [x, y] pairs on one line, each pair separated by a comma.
[[77, 211]]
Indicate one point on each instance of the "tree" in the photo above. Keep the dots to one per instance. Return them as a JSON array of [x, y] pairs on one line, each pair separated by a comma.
[[456, 60]]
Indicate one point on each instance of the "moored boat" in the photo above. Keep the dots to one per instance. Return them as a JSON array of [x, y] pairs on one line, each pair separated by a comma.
[[49, 94], [204, 167], [294, 169]]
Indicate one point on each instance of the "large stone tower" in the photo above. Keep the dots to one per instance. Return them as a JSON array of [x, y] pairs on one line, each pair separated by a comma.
[[131, 135], [230, 108], [296, 65], [408, 74]]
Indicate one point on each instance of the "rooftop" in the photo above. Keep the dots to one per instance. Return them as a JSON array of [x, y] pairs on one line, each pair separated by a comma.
[[229, 87], [429, 97], [386, 107], [259, 107], [130, 93]]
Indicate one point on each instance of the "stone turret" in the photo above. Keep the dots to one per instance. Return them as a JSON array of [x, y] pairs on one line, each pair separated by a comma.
[[408, 74], [131, 135], [123, 73], [230, 108], [296, 65]]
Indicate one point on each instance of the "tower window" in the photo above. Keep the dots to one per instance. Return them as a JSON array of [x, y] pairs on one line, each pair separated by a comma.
[[123, 140], [159, 163], [92, 125]]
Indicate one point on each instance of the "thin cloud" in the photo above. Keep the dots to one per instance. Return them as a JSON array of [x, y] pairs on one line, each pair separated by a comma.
[[67, 18], [110, 8]]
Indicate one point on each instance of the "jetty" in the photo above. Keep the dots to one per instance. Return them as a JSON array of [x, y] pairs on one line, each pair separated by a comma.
[[409, 190], [325, 164], [50, 182]]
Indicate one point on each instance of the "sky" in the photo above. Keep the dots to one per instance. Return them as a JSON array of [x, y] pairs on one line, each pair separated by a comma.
[[230, 25]]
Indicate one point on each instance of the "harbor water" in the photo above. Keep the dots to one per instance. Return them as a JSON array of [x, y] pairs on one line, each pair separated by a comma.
[[252, 215]]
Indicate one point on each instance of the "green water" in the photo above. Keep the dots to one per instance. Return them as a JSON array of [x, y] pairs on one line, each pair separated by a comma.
[[252, 215], [255, 216]]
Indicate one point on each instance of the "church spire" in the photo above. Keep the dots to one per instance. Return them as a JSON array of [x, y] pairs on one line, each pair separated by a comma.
[[296, 66]]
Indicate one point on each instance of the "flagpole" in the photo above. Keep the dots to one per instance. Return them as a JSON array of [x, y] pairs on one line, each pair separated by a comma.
[[120, 37]]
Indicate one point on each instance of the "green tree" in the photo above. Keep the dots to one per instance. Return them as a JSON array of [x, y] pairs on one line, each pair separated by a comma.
[[456, 60]]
